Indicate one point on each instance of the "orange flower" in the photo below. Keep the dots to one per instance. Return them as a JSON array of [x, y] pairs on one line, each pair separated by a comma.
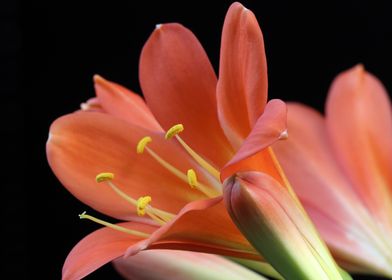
[[341, 168], [173, 179]]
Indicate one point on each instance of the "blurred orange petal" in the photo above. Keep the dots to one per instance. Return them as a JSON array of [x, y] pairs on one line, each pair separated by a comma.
[[359, 120], [331, 164], [325, 192], [308, 149]]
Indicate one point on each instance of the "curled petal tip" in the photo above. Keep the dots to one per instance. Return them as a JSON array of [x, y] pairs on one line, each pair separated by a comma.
[[284, 135], [239, 6], [245, 8]]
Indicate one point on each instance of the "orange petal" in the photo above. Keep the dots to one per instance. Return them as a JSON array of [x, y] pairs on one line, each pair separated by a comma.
[[124, 104], [179, 84], [81, 145], [359, 120], [99, 248], [308, 161], [270, 127], [181, 265], [202, 226], [242, 85]]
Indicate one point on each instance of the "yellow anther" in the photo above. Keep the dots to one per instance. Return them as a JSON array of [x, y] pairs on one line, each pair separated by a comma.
[[142, 144], [192, 178], [103, 177], [174, 130], [142, 203], [203, 163]]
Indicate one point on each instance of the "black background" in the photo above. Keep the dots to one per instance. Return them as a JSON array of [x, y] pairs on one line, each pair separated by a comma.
[[64, 44]]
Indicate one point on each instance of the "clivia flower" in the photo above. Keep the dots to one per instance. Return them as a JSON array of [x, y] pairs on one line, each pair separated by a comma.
[[340, 166], [159, 165]]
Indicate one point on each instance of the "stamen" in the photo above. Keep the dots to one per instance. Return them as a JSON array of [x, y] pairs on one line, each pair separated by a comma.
[[113, 226], [174, 130], [142, 144], [162, 216], [103, 177], [192, 178], [143, 207], [122, 194], [192, 181], [206, 190], [142, 203], [201, 161]]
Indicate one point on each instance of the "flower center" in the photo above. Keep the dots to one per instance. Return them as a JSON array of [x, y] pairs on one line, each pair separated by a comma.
[[212, 190], [143, 203]]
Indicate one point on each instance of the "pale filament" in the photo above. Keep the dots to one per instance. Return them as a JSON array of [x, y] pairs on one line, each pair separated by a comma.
[[160, 216], [201, 187], [113, 226], [174, 131], [201, 161]]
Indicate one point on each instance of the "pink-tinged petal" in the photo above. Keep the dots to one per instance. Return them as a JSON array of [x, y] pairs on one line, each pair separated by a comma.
[[81, 145], [124, 104], [202, 226], [99, 248], [253, 155], [276, 226], [308, 162], [179, 85], [359, 120], [328, 197], [181, 265], [352, 247], [242, 85]]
